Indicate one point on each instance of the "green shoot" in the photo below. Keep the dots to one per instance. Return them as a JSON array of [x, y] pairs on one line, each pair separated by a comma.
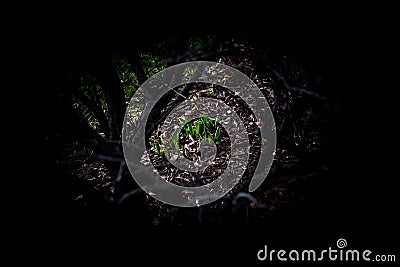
[[202, 128]]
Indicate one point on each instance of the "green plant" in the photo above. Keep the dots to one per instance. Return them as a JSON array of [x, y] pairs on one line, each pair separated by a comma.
[[155, 146], [202, 128], [175, 140], [199, 129]]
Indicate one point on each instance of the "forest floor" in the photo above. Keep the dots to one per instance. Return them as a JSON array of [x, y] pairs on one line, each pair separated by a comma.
[[286, 189]]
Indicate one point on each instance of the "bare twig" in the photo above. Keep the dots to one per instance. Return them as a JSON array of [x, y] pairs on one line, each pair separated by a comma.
[[249, 197], [282, 79], [129, 195], [109, 158]]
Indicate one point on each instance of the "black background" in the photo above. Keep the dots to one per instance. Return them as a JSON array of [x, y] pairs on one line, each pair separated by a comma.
[[357, 202]]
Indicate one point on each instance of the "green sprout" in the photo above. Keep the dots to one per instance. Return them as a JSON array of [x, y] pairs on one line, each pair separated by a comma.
[[201, 128]]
